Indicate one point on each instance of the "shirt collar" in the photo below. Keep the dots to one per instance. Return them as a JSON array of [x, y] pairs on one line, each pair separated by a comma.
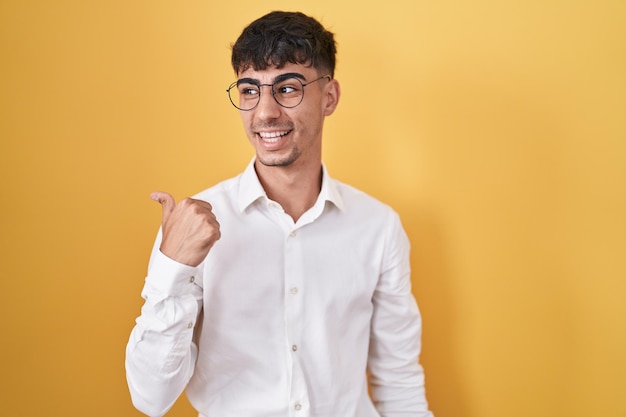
[[250, 188]]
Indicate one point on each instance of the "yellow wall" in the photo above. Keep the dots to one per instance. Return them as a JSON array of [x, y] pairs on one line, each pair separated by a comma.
[[495, 128]]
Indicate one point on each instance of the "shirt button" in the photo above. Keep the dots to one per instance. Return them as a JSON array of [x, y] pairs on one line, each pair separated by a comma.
[[192, 279], [190, 325], [293, 234], [294, 347], [294, 290], [298, 406]]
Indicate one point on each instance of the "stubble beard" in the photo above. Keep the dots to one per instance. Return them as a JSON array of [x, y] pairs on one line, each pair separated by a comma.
[[281, 162]]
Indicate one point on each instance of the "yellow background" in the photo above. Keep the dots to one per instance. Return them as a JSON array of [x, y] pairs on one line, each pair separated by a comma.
[[496, 129]]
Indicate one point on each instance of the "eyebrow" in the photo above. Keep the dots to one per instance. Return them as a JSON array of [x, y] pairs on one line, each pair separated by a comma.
[[279, 78]]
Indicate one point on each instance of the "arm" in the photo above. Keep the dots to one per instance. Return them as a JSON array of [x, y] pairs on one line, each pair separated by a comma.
[[161, 353], [396, 377]]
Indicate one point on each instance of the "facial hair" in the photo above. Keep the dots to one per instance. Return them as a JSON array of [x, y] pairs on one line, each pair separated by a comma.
[[278, 161], [284, 162]]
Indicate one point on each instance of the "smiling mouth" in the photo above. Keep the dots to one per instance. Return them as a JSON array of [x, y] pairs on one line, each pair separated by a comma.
[[273, 137]]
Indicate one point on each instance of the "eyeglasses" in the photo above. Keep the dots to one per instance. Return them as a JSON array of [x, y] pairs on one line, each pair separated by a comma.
[[287, 90]]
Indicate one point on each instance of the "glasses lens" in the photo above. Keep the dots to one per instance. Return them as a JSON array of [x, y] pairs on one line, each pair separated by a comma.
[[244, 96], [289, 93]]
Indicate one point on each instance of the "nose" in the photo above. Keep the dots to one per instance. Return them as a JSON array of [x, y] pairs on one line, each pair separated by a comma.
[[268, 108]]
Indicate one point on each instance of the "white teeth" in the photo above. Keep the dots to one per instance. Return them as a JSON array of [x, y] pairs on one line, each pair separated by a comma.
[[272, 135]]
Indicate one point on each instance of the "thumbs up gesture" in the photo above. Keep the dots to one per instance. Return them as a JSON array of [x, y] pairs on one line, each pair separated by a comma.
[[189, 228]]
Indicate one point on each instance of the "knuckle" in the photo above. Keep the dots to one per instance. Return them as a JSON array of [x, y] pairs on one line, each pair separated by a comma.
[[185, 202]]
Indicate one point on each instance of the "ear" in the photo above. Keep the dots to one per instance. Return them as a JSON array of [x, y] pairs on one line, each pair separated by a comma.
[[332, 93]]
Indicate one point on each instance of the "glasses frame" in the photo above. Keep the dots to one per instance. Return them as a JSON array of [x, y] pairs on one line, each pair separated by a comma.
[[236, 83]]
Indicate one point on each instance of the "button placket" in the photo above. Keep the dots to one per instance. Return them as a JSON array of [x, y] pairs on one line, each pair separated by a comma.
[[293, 281]]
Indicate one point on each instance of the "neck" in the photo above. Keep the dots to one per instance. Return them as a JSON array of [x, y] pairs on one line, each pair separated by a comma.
[[295, 188]]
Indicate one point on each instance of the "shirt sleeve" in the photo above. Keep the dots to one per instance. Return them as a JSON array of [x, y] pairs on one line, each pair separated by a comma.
[[396, 376], [161, 352]]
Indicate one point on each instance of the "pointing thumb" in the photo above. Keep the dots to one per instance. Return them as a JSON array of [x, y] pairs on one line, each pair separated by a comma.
[[167, 202]]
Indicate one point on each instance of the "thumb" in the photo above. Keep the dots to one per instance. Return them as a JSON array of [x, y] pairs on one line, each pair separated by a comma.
[[167, 202]]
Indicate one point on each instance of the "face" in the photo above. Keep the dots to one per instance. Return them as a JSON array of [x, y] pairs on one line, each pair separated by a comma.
[[288, 137]]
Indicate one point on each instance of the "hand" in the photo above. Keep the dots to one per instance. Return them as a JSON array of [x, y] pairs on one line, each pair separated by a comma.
[[189, 228]]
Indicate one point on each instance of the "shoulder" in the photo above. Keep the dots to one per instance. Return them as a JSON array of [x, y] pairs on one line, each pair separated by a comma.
[[373, 219], [356, 199], [359, 206], [223, 190]]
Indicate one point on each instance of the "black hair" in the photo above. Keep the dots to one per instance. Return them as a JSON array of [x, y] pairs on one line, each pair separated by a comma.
[[279, 38]]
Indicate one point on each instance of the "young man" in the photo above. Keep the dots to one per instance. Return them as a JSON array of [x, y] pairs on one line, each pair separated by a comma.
[[303, 287]]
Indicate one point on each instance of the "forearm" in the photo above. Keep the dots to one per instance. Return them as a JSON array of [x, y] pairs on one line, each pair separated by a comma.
[[396, 376], [161, 353]]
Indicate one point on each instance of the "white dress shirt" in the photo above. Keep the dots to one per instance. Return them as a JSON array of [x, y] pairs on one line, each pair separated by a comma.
[[282, 318]]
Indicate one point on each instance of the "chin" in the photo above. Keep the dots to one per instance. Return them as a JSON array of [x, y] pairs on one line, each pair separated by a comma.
[[280, 161], [276, 163]]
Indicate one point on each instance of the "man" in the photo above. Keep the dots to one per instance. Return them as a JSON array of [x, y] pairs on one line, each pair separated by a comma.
[[302, 289]]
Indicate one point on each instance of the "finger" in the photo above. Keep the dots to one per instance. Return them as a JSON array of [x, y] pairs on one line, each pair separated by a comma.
[[167, 202]]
